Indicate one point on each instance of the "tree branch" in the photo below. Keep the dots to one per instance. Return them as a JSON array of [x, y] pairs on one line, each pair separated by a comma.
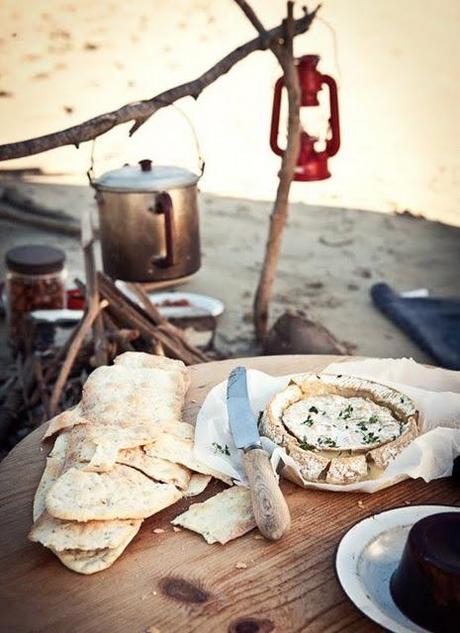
[[280, 209], [140, 111]]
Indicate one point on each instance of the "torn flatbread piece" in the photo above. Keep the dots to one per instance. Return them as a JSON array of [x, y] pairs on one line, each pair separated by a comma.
[[65, 420], [221, 518], [123, 493], [197, 484], [155, 467], [50, 475], [70, 535], [124, 394], [53, 469], [92, 561], [98, 445], [141, 360], [180, 451]]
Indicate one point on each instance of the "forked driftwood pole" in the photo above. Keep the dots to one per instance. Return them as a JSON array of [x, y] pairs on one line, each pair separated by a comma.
[[284, 53]]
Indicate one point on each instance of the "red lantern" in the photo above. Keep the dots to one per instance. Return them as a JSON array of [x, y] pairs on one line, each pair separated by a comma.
[[311, 164]]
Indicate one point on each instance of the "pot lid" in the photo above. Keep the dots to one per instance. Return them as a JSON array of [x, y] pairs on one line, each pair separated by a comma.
[[146, 177], [35, 259]]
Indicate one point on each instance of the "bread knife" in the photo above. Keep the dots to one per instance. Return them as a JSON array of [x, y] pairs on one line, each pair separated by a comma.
[[270, 508]]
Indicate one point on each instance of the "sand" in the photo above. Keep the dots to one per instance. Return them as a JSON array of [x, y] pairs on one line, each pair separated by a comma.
[[330, 259]]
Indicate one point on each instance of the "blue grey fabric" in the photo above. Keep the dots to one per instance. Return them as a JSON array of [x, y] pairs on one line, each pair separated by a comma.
[[433, 324]]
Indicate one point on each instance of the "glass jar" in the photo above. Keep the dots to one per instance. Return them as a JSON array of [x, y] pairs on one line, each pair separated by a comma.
[[35, 281]]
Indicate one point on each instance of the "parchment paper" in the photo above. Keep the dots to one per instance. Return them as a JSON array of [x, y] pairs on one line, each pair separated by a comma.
[[436, 393]]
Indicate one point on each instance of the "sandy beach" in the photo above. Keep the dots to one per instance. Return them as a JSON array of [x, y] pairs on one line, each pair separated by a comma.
[[330, 258]]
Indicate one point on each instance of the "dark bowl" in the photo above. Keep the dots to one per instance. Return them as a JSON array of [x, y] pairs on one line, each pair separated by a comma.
[[426, 584]]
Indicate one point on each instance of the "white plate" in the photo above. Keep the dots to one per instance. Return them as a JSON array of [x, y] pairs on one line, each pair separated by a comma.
[[367, 556], [200, 305]]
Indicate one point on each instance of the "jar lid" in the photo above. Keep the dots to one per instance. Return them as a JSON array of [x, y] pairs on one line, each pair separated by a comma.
[[35, 260], [146, 177]]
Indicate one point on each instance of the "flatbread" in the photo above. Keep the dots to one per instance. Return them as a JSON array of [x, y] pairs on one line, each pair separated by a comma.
[[155, 467], [221, 518], [92, 561], [50, 475], [124, 394], [61, 535], [197, 484], [99, 445], [180, 451], [53, 468], [65, 420], [123, 493], [141, 360]]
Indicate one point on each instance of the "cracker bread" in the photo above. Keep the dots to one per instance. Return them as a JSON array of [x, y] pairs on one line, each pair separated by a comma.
[[197, 484], [88, 507], [142, 360], [53, 468], [221, 518], [50, 475], [69, 535], [99, 445], [180, 451], [123, 493], [65, 420], [92, 561], [155, 467], [124, 394]]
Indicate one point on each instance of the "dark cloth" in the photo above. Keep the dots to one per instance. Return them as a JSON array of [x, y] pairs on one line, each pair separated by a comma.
[[433, 324]]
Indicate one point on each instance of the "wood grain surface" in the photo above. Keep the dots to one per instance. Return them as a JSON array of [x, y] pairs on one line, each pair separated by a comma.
[[174, 581]]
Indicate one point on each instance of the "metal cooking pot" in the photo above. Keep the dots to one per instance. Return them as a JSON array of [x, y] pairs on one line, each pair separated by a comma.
[[149, 226]]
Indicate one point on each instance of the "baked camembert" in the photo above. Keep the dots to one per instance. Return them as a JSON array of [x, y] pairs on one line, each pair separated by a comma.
[[340, 429]]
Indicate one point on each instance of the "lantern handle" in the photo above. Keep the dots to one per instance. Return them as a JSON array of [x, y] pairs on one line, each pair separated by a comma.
[[276, 118], [332, 144]]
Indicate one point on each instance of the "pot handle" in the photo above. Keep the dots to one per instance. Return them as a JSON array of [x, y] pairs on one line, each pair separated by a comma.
[[164, 206]]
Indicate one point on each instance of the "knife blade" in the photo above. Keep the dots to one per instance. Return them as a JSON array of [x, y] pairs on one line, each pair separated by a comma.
[[270, 509], [243, 422]]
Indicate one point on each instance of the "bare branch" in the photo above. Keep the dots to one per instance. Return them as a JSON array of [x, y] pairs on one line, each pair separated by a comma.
[[140, 111], [251, 16], [280, 209]]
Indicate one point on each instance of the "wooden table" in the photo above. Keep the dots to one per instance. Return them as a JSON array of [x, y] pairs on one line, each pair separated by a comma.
[[175, 581]]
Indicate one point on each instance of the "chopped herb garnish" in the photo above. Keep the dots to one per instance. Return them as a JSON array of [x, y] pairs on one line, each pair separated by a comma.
[[323, 413], [370, 438], [308, 421], [327, 441], [319, 377], [362, 426], [339, 375], [313, 410], [346, 413], [221, 449], [259, 418], [373, 419], [402, 400], [305, 445]]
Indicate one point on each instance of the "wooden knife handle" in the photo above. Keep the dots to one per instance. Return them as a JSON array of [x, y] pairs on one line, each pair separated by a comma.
[[270, 508]]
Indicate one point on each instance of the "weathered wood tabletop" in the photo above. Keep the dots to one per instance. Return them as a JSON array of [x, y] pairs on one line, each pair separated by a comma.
[[174, 581]]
